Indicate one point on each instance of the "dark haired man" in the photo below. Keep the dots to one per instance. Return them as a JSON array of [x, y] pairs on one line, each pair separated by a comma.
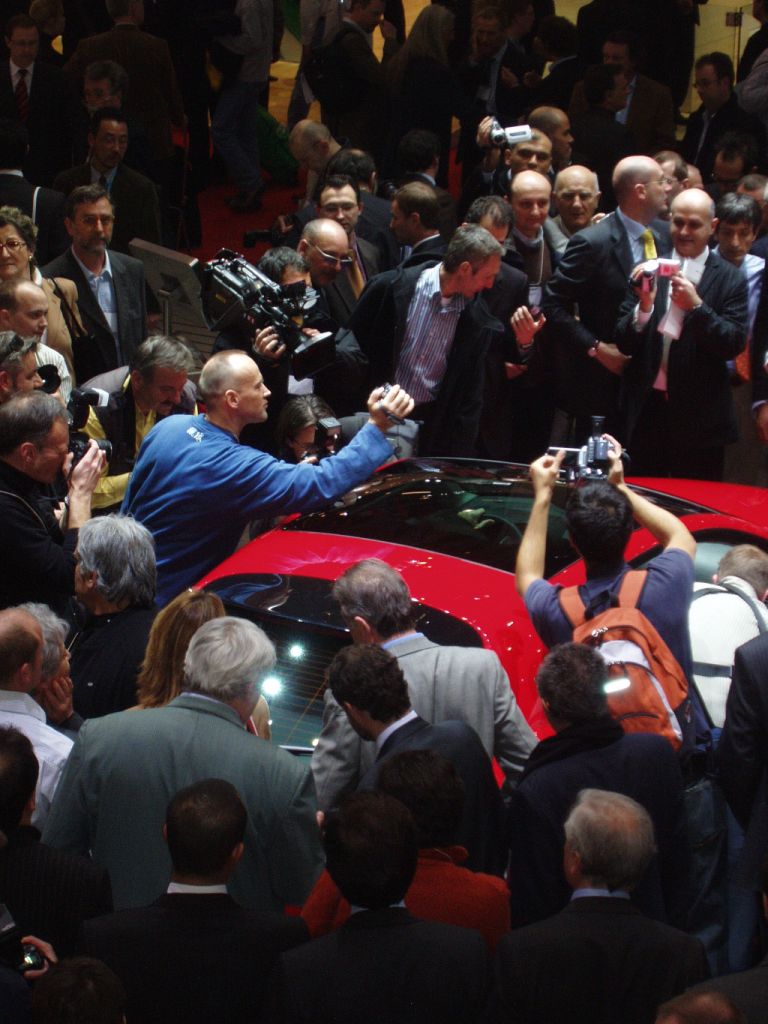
[[183, 955], [416, 221], [589, 748], [36, 554], [48, 892], [444, 683], [36, 95], [368, 684], [601, 139], [133, 195], [600, 517], [719, 113], [110, 286], [382, 959]]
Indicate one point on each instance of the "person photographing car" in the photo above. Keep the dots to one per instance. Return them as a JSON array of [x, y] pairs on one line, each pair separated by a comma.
[[195, 487]]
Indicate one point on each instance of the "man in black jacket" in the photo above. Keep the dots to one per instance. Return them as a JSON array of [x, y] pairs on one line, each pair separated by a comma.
[[427, 327]]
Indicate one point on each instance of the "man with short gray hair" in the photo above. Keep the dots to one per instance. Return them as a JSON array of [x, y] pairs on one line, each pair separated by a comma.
[[154, 386], [467, 684], [115, 581], [576, 194], [612, 962], [145, 757], [427, 328]]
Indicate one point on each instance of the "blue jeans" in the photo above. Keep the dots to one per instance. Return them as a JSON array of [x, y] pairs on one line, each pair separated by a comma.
[[234, 133]]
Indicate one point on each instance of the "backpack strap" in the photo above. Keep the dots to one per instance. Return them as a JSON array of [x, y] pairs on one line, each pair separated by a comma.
[[572, 606], [631, 588], [755, 605]]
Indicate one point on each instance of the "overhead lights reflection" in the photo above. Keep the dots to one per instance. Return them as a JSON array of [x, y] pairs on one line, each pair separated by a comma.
[[296, 651], [271, 686]]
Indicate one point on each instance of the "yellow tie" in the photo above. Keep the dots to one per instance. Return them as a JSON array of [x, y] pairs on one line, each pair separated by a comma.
[[649, 245], [355, 276]]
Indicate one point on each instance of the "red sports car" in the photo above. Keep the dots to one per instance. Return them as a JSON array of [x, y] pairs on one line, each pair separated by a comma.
[[452, 528]]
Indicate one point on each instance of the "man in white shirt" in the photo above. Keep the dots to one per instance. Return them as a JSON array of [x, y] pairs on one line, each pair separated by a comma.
[[681, 332], [21, 658]]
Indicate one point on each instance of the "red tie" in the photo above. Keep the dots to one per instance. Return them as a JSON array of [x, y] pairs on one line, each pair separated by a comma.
[[22, 95]]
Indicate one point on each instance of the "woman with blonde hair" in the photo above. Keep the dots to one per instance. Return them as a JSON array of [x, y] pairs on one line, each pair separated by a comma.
[[425, 92], [161, 676]]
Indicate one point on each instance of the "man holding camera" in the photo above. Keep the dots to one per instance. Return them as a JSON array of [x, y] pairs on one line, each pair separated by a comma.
[[681, 330], [36, 545], [600, 516], [195, 487]]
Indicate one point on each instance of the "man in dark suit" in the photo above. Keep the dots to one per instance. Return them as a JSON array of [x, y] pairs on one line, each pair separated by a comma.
[[583, 297], [393, 339], [339, 200], [183, 956], [133, 195], [43, 205], [49, 893], [415, 219], [110, 286], [743, 754], [589, 748], [612, 962], [681, 334], [373, 223], [418, 159], [382, 964], [38, 96], [719, 113], [558, 42], [368, 684]]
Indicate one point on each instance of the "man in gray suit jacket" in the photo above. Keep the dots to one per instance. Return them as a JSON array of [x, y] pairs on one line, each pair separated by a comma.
[[111, 293], [124, 769], [444, 683]]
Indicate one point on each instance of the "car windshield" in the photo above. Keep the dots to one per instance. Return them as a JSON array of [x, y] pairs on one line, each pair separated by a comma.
[[466, 511]]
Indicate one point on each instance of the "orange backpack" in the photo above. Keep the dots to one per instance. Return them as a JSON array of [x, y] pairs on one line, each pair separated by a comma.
[[647, 691]]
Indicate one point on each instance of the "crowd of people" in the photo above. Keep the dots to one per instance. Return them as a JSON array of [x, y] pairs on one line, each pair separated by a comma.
[[435, 859]]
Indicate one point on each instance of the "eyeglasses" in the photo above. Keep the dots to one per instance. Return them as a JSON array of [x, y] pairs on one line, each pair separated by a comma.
[[332, 259], [12, 244]]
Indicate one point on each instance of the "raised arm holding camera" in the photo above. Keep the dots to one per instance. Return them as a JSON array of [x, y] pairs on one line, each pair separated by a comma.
[[600, 515], [195, 486], [36, 552]]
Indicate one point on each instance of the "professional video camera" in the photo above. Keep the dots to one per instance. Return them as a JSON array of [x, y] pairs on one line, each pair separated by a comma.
[[80, 401], [590, 462], [235, 293], [505, 138]]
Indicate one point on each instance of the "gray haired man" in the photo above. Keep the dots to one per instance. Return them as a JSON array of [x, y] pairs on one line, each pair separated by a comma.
[[141, 759], [115, 580], [154, 386]]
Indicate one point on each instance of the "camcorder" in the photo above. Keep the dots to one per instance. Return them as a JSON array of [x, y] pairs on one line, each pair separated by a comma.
[[327, 430], [590, 462], [505, 138], [80, 402], [651, 270], [237, 294]]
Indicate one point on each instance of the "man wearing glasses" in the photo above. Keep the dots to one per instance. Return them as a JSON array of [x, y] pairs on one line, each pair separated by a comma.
[[37, 544], [583, 297], [325, 246]]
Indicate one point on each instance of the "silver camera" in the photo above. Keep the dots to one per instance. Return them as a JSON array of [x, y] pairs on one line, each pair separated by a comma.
[[505, 138]]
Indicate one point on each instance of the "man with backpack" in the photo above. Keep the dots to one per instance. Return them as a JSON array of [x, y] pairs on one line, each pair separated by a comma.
[[601, 515]]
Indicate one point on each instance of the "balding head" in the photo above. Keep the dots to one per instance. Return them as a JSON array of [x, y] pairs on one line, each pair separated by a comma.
[[554, 123], [324, 243], [577, 194], [529, 194], [21, 650], [312, 145], [223, 372], [692, 222], [23, 308], [640, 187]]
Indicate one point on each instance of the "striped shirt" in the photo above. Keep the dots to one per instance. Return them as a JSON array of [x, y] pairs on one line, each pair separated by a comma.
[[432, 322]]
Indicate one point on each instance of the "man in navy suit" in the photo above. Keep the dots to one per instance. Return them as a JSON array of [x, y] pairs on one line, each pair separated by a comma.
[[195, 950], [38, 96], [612, 962]]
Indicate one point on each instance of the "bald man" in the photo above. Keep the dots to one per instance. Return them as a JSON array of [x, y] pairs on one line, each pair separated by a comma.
[[681, 334], [583, 298], [21, 660], [195, 487], [576, 195]]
